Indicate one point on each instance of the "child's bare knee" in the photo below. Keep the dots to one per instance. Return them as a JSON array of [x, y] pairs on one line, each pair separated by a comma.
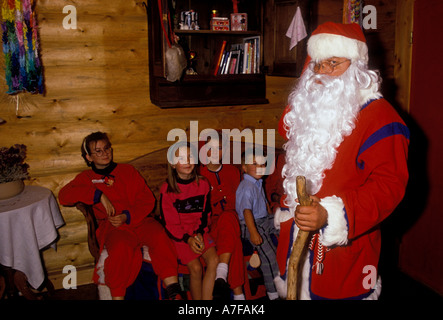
[[212, 260], [195, 268]]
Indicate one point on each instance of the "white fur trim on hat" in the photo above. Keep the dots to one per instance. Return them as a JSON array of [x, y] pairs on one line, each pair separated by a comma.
[[336, 231], [326, 45]]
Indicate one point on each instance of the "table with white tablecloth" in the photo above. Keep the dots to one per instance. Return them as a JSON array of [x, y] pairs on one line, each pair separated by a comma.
[[28, 224]]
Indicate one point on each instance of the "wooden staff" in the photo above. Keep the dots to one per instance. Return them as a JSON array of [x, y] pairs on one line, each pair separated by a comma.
[[299, 245]]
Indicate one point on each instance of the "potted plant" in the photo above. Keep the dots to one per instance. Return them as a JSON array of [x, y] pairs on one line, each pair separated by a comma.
[[13, 170]]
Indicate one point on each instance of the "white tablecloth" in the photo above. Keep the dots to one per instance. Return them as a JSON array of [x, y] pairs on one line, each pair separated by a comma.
[[28, 223]]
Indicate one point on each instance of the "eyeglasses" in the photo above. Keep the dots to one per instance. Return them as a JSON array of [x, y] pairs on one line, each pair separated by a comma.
[[101, 153], [328, 66]]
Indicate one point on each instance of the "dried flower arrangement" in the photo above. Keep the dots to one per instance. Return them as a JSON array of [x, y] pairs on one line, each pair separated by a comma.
[[12, 163]]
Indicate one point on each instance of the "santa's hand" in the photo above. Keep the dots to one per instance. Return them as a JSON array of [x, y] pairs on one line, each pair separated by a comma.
[[311, 218]]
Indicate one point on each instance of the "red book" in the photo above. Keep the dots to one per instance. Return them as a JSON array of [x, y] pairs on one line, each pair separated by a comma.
[[220, 55]]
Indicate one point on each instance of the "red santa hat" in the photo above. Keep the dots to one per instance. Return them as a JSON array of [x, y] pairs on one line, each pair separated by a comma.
[[332, 39]]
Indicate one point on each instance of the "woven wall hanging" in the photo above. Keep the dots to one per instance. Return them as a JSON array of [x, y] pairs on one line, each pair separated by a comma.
[[23, 67]]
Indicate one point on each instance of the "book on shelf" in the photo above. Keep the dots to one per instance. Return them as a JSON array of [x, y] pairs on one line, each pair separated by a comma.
[[239, 58], [253, 44], [233, 66], [228, 61], [219, 57]]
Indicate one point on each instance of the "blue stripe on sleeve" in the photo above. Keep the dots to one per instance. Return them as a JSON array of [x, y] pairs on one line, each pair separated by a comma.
[[388, 130]]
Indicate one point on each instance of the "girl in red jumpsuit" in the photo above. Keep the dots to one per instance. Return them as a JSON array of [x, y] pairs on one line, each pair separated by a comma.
[[185, 210], [122, 203], [224, 179]]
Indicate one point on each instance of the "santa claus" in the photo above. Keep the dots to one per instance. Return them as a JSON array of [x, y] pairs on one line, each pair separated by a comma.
[[352, 147]]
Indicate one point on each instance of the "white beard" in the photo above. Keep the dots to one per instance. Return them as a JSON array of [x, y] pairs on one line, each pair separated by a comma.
[[321, 115]]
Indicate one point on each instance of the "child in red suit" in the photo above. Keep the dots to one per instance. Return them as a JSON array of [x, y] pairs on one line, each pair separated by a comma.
[[122, 203], [225, 228], [185, 211]]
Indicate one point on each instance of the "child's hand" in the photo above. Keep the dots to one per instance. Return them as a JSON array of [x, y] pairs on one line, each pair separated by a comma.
[[196, 243], [117, 220], [110, 210], [256, 239]]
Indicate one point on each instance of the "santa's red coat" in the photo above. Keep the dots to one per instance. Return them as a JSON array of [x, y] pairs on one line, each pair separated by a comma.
[[368, 178]]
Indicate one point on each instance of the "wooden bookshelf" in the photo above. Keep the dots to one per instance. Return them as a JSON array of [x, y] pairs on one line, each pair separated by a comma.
[[204, 88]]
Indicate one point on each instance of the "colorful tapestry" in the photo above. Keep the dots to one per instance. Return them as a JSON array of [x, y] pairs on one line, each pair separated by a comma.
[[24, 71], [352, 11]]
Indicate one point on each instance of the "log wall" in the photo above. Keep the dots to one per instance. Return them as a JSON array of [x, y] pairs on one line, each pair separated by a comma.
[[96, 78]]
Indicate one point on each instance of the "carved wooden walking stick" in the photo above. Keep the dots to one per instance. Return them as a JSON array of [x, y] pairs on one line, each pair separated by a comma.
[[299, 245]]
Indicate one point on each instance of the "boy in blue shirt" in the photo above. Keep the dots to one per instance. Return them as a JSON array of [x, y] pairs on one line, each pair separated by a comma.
[[255, 222]]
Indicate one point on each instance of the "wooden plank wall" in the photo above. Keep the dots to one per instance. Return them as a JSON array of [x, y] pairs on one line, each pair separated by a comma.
[[96, 78]]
